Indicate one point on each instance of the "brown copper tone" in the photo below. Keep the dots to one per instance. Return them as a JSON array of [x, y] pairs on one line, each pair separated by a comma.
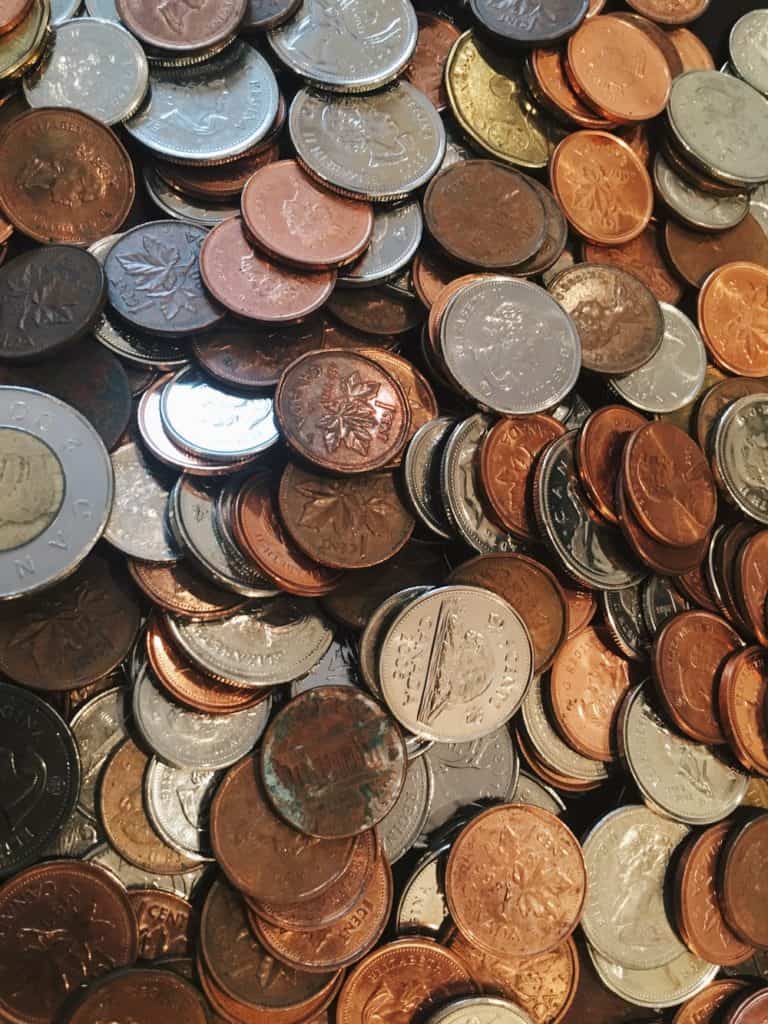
[[551, 81], [219, 182], [752, 584], [436, 38], [693, 54], [255, 357], [582, 606], [707, 1006], [177, 589], [339, 335], [564, 783], [12, 12], [167, 924], [144, 995], [195, 27], [726, 561], [720, 396], [431, 272], [440, 304], [375, 310], [695, 254], [670, 12], [748, 1009], [644, 258], [416, 388], [734, 331], [695, 587], [688, 656], [599, 451], [661, 558], [743, 894], [742, 705]]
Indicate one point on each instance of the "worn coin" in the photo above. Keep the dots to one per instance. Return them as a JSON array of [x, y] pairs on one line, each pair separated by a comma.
[[138, 524], [178, 802], [396, 235], [659, 987], [421, 467], [99, 727], [426, 70], [740, 458], [642, 257], [695, 254], [141, 994], [374, 311], [177, 589], [255, 356], [167, 924], [202, 26], [527, 24]]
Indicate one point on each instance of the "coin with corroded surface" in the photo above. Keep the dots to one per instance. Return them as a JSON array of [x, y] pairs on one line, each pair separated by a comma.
[[144, 994], [741, 884], [528, 23], [192, 28], [138, 524], [167, 924], [729, 315], [741, 702]]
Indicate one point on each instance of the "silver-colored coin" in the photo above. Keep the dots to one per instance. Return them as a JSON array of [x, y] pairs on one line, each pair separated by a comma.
[[381, 147], [573, 412], [274, 642], [56, 489], [106, 9], [187, 208], [528, 22], [465, 773], [592, 552], [402, 285], [396, 236], [178, 802], [461, 488], [94, 66], [456, 149], [510, 345], [660, 601], [400, 829], [184, 738], [186, 58], [416, 746], [215, 423], [700, 210], [721, 124], [348, 45], [138, 525], [669, 985], [480, 1010], [375, 630], [677, 777], [748, 51], [711, 563], [532, 791], [209, 113], [421, 467], [423, 909], [136, 878], [741, 454], [455, 664], [63, 10], [99, 727], [337, 667], [674, 377], [623, 613], [758, 206], [78, 835]]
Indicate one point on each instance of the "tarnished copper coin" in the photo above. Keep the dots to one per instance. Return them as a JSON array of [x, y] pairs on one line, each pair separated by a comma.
[[177, 589], [431, 272], [144, 994], [695, 255], [484, 214], [551, 86], [644, 258], [12, 12], [342, 411], [416, 388], [670, 12], [375, 310], [219, 182], [64, 177], [731, 304], [167, 924], [426, 70], [187, 27], [706, 1007], [519, 847], [599, 451], [333, 762], [688, 656], [743, 895], [508, 460], [720, 396], [669, 485], [742, 707], [340, 335], [255, 356]]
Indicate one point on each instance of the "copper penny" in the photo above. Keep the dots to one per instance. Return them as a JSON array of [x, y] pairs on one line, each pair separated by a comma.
[[401, 982], [426, 70], [64, 924], [177, 589], [599, 451], [260, 534], [603, 187], [220, 182], [431, 272], [695, 587], [508, 460], [582, 606], [532, 590], [555, 236], [563, 783], [12, 12], [144, 995], [619, 69], [339, 335], [726, 562], [167, 924], [752, 583], [342, 411], [253, 356], [121, 808], [192, 27], [670, 12], [718, 397], [743, 894], [547, 67], [64, 177], [750, 1009], [644, 258], [440, 304], [693, 54], [695, 255], [375, 310], [658, 36], [742, 706], [296, 221], [256, 288], [688, 656], [525, 850], [484, 214], [416, 388], [587, 683], [707, 1006], [731, 304]]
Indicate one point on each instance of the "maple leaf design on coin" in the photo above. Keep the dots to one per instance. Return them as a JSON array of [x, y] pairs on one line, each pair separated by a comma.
[[164, 276], [42, 303], [593, 194], [335, 509], [350, 415], [748, 323]]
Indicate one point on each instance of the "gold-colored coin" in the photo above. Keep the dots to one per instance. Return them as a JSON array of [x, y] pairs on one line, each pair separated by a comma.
[[489, 99], [25, 44], [757, 793]]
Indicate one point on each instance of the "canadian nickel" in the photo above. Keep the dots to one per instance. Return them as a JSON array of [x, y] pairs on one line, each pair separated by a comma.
[[178, 802], [211, 112], [62, 11], [182, 207], [423, 909], [660, 601], [741, 455], [99, 727], [348, 47], [136, 878], [674, 377], [138, 525], [399, 830], [480, 1010], [623, 614], [379, 147], [106, 9], [699, 210], [535, 793], [547, 743], [56, 487], [337, 667], [91, 65], [455, 664], [664, 986], [746, 46], [510, 346], [421, 469], [396, 236], [375, 630], [528, 22]]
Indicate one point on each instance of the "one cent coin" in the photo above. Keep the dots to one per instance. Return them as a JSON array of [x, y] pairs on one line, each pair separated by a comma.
[[752, 584], [65, 177], [177, 589], [255, 356], [184, 28], [342, 411], [12, 12], [749, 1009], [525, 850], [141, 994], [730, 317], [599, 451], [644, 258], [707, 1006], [427, 68], [167, 924], [375, 311], [547, 71], [679, 12], [217, 182], [695, 254], [691, 50], [416, 388], [742, 707], [743, 897]]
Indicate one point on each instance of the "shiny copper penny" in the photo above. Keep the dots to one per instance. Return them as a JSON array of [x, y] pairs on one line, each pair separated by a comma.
[[177, 589], [416, 388], [426, 70], [375, 310], [219, 182], [64, 177], [731, 318], [431, 272], [695, 255], [551, 81], [695, 587], [658, 36], [12, 12], [582, 606], [256, 288], [342, 411], [193, 27], [599, 451], [167, 924], [144, 995], [521, 848], [644, 258], [665, 560], [752, 584], [587, 684], [670, 12], [743, 895], [693, 53], [688, 656], [253, 356], [707, 1006], [742, 706], [296, 221], [604, 189], [508, 460], [748, 1009]]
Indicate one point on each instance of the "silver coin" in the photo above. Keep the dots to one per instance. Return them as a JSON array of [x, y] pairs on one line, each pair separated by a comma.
[[711, 565], [178, 801], [99, 727], [138, 525], [423, 909], [700, 210], [660, 601], [758, 206], [186, 58], [462, 489], [627, 854], [348, 45], [55, 494], [465, 773], [747, 49], [421, 470], [396, 236], [105, 9], [136, 878], [677, 777], [591, 551], [532, 791], [456, 149], [741, 454], [623, 614], [215, 423], [337, 667], [669, 985], [375, 630], [382, 147], [399, 830], [182, 207], [572, 412], [209, 113], [674, 377], [480, 1010], [222, 525], [510, 345], [78, 835], [91, 65], [184, 738], [275, 642], [721, 125], [63, 10]]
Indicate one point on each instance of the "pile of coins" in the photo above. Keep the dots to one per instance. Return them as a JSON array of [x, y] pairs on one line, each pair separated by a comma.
[[383, 513]]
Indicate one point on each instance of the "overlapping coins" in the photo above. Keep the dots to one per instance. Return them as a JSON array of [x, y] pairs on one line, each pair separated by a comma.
[[383, 513]]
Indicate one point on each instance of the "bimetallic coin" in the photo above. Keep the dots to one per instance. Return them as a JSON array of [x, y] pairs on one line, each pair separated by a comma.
[[98, 728], [697, 209], [421, 467], [396, 236], [401, 827], [422, 909], [533, 791], [178, 801], [138, 524], [482, 1010], [740, 455], [669, 985], [183, 207]]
